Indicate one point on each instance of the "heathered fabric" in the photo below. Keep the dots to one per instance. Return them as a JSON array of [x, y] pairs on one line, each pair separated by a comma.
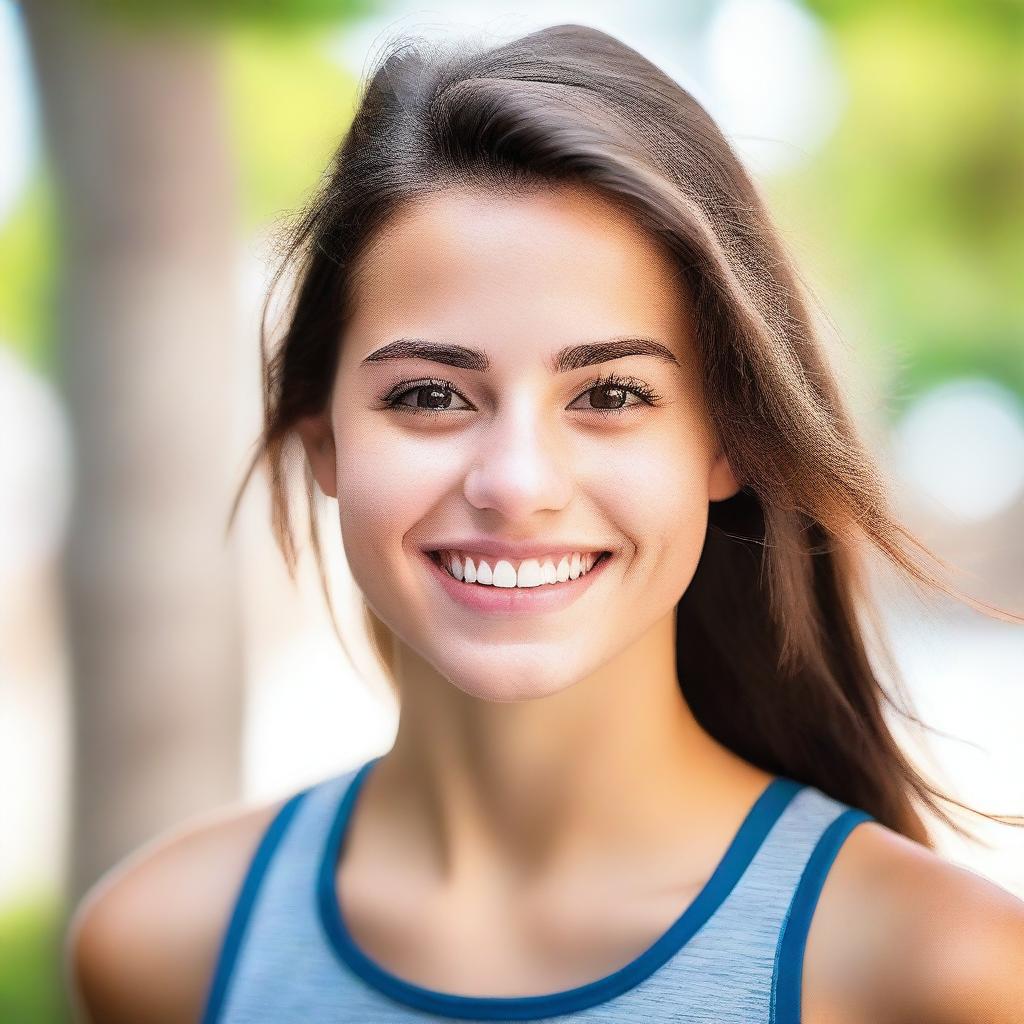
[[733, 956]]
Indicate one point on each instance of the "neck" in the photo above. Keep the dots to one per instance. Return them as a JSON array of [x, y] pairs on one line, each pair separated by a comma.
[[602, 771]]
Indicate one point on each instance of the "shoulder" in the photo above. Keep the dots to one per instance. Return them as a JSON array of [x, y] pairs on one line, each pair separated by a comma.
[[901, 934], [143, 942]]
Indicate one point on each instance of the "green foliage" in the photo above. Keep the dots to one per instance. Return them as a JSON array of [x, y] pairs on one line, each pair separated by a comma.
[[921, 192], [289, 104], [28, 248], [1006, 15], [31, 979], [207, 13]]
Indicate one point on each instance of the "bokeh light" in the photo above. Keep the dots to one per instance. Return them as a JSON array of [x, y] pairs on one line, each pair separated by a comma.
[[961, 445]]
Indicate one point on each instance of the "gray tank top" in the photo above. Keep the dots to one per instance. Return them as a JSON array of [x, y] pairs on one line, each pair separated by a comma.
[[733, 956]]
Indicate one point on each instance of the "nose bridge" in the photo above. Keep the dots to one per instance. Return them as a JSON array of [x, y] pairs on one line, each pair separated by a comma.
[[519, 464]]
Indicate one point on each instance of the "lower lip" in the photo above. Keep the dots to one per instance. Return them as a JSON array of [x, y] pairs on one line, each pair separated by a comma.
[[548, 597]]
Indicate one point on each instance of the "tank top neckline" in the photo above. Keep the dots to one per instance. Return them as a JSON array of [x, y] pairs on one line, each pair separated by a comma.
[[747, 840]]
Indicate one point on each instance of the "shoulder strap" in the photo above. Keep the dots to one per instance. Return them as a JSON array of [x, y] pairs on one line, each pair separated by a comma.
[[258, 865], [789, 955], [283, 860]]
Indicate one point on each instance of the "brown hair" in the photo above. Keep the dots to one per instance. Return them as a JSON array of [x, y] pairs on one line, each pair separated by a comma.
[[771, 655]]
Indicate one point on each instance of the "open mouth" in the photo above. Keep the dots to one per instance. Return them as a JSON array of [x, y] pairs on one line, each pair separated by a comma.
[[435, 557]]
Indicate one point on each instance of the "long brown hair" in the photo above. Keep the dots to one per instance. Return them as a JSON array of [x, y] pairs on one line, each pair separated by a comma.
[[772, 650]]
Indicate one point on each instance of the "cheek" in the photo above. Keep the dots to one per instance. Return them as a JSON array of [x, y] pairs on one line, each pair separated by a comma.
[[379, 502], [659, 500], [386, 485]]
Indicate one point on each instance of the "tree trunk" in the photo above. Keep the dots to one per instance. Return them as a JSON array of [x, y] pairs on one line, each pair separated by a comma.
[[145, 315]]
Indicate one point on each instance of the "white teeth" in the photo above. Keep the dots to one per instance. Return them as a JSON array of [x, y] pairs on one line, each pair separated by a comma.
[[504, 574], [532, 572]]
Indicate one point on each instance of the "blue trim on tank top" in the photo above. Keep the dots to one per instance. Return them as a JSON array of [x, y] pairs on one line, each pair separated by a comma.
[[787, 974], [242, 911], [745, 843]]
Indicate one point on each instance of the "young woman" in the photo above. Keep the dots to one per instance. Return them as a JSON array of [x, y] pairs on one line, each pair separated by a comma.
[[597, 484]]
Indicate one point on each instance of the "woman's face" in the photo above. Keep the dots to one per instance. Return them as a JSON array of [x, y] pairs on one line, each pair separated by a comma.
[[519, 445]]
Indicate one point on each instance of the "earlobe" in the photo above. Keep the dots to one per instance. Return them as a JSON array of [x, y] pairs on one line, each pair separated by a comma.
[[722, 483], [318, 441]]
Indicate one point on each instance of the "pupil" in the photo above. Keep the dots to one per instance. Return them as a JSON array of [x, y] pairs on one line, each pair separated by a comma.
[[437, 394], [614, 404]]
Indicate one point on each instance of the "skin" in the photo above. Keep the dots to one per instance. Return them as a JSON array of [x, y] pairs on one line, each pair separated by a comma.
[[531, 751], [547, 773]]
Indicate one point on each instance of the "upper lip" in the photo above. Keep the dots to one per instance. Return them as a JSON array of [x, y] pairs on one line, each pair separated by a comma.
[[513, 549]]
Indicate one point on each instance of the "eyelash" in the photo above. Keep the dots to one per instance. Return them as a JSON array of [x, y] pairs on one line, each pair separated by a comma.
[[612, 380]]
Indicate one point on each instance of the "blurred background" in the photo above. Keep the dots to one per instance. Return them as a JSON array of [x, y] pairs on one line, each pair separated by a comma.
[[152, 668]]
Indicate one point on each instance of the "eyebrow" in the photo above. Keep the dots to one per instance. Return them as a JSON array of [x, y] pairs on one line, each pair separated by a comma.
[[572, 357]]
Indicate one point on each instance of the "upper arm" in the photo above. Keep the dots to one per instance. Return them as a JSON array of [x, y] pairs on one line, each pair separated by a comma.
[[142, 944], [905, 937], [970, 961]]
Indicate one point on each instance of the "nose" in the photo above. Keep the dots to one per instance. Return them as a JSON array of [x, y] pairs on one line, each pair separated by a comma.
[[522, 465]]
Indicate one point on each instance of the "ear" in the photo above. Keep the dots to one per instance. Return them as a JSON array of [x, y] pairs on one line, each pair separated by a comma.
[[318, 440], [722, 483]]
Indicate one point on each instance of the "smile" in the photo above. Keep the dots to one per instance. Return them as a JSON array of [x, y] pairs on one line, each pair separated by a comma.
[[503, 594], [546, 570]]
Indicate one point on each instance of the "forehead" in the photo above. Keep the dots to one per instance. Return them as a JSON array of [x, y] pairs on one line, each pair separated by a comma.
[[538, 270]]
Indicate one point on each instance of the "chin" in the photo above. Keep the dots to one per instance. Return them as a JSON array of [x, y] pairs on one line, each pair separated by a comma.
[[508, 679]]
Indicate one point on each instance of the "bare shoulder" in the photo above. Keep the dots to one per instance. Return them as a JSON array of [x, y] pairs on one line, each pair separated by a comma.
[[143, 942], [901, 934]]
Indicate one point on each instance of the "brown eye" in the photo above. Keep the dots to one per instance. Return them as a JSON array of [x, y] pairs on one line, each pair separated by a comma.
[[430, 396], [436, 398], [606, 394], [611, 392], [608, 397]]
